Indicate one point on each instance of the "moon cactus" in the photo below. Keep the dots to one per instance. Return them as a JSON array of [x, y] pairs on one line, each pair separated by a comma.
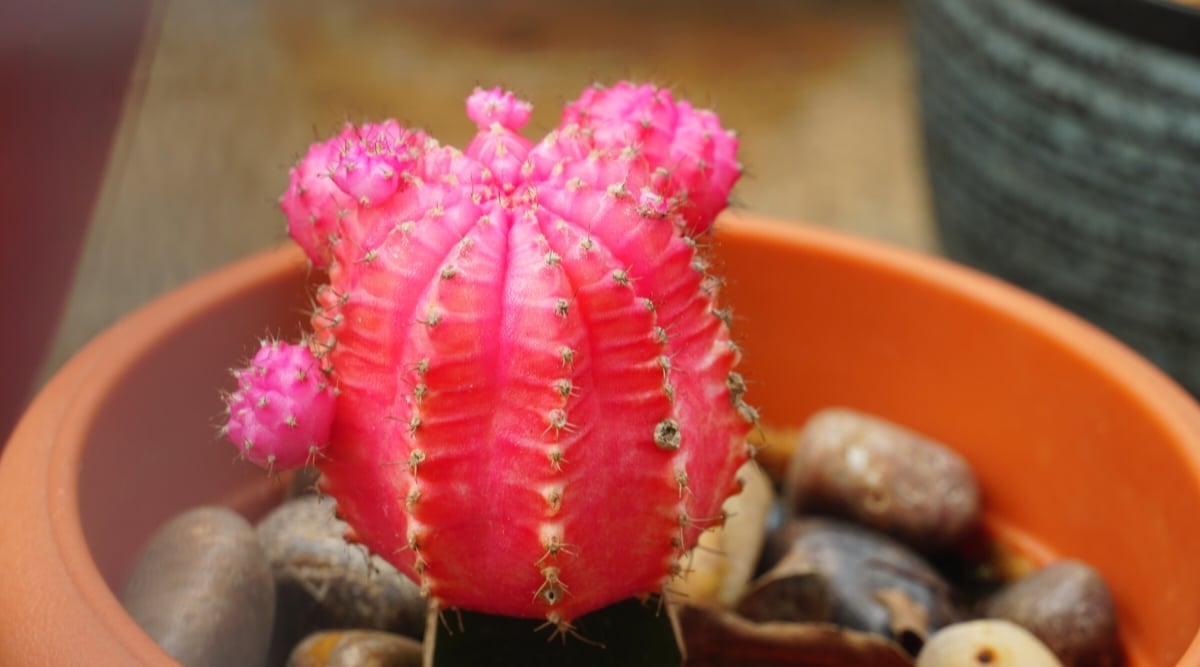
[[521, 389]]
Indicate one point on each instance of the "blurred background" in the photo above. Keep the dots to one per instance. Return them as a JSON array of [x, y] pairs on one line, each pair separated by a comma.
[[173, 123], [234, 92]]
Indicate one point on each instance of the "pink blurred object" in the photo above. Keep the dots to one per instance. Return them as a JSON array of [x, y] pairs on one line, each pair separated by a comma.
[[66, 75]]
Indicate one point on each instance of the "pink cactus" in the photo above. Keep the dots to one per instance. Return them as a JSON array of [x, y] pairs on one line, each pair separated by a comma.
[[281, 413], [538, 413]]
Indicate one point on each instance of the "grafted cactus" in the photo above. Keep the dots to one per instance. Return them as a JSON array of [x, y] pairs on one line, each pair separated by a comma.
[[537, 410]]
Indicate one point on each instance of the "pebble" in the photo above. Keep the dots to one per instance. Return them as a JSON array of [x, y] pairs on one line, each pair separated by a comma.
[[1069, 607], [202, 589], [303, 482], [723, 562], [716, 637], [985, 643], [790, 592], [856, 466], [325, 583], [875, 584], [356, 648]]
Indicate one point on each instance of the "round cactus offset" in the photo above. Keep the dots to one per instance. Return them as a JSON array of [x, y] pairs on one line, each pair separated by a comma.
[[280, 415], [537, 409]]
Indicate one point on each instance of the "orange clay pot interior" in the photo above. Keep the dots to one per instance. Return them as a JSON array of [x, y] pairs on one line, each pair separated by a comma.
[[1082, 448]]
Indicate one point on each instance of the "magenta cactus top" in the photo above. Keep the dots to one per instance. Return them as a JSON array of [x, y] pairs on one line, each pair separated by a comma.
[[536, 411]]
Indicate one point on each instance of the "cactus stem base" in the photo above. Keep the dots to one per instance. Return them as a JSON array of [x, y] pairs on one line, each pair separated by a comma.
[[630, 633]]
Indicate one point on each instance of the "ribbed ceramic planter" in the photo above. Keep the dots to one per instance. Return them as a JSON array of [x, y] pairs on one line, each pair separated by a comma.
[[1082, 448], [1063, 147]]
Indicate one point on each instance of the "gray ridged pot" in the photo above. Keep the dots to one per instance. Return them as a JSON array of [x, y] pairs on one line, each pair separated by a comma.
[[1063, 148]]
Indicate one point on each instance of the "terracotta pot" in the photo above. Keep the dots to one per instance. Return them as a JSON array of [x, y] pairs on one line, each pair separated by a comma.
[[1083, 448]]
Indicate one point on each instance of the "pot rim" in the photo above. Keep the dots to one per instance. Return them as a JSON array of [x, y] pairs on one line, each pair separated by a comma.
[[116, 349], [90, 374]]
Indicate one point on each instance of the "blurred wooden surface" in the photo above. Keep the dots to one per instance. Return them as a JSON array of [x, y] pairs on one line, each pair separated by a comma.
[[820, 91]]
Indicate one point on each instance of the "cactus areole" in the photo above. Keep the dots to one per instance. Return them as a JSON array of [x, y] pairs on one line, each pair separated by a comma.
[[519, 386]]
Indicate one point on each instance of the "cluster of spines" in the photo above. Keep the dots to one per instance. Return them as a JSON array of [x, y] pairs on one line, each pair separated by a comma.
[[562, 390], [710, 285], [429, 314]]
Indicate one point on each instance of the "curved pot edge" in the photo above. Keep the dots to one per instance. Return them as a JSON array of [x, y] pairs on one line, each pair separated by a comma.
[[1066, 328], [74, 390]]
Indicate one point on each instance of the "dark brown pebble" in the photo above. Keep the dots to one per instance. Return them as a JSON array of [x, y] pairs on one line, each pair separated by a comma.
[[303, 482], [878, 474], [874, 583], [202, 588], [323, 582], [356, 648], [1069, 607], [715, 637], [791, 591]]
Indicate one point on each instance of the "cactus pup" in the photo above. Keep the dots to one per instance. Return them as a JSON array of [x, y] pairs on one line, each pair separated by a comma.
[[519, 387]]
